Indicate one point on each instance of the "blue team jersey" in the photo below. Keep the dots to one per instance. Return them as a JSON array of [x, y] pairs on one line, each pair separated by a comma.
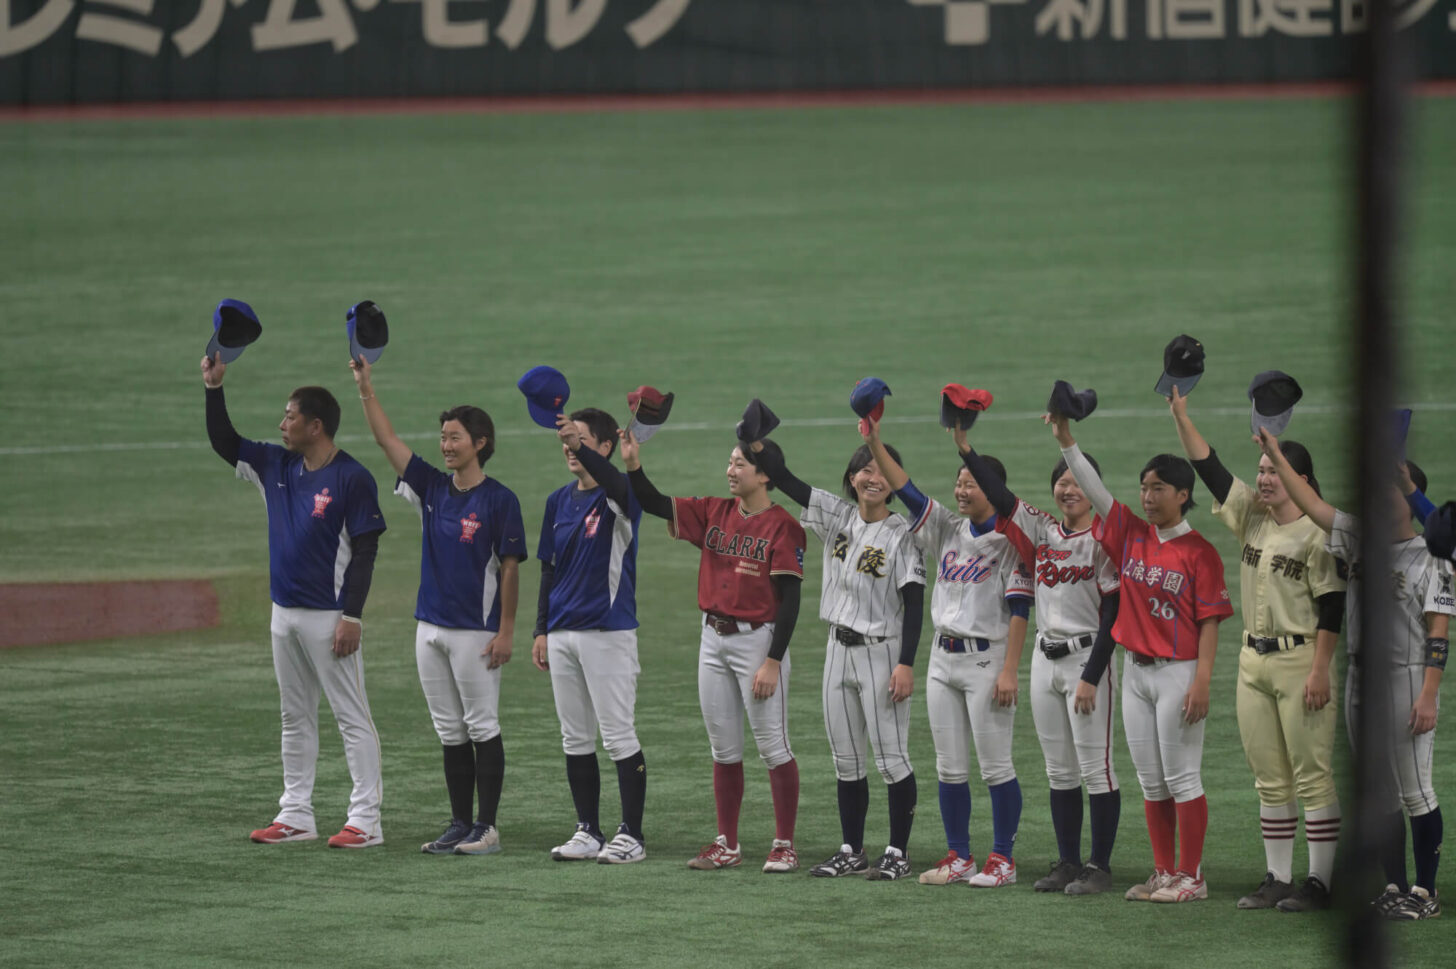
[[311, 517], [466, 536], [592, 545]]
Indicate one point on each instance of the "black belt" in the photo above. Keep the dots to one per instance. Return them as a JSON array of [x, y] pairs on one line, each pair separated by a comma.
[[1066, 647], [1142, 659], [1263, 645], [973, 644], [848, 637], [726, 625]]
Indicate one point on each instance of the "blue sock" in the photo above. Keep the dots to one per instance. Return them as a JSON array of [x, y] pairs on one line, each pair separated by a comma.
[[1005, 816], [1067, 823], [1426, 840], [955, 814]]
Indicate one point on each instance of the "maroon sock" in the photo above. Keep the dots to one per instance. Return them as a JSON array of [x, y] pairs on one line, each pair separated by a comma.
[[728, 795], [1162, 832], [1192, 826], [783, 780]]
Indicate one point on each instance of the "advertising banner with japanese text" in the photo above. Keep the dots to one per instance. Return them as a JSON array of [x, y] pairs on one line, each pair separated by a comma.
[[73, 51]]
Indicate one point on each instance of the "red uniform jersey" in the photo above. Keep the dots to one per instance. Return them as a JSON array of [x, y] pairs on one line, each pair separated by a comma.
[[741, 553], [1167, 587]]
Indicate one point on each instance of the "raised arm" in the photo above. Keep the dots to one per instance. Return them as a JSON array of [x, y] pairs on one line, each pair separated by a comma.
[[894, 474], [652, 501], [778, 472], [1002, 498], [603, 472], [225, 440], [1087, 477], [1203, 458], [395, 450], [1421, 507], [1321, 512]]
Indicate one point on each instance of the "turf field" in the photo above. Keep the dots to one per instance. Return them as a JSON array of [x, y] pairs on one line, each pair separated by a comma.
[[721, 255]]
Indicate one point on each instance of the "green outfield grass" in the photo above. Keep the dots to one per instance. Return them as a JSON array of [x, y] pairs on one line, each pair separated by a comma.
[[725, 255]]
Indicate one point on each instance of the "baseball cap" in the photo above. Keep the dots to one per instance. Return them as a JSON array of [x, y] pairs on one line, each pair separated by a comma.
[[546, 394], [1068, 402], [1441, 532], [650, 408], [758, 422], [368, 331], [960, 406], [868, 398], [234, 326], [1182, 366], [1274, 394]]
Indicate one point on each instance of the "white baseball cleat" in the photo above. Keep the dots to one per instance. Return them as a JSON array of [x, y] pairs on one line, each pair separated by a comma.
[[781, 858], [999, 871], [623, 849], [1143, 891], [581, 846], [950, 870], [1183, 888], [483, 839], [717, 855]]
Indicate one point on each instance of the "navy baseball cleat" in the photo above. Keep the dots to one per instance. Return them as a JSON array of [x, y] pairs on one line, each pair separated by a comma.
[[446, 843]]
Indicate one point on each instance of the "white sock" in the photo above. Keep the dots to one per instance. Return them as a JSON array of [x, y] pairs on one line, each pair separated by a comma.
[[1322, 830], [1279, 824]]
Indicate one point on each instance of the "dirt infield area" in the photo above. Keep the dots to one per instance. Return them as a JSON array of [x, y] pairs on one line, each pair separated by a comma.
[[40, 613]]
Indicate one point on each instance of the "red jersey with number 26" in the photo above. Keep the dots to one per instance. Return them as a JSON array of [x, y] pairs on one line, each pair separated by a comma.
[[1167, 587], [741, 553]]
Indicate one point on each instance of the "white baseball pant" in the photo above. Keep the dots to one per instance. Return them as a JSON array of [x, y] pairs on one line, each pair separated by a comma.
[[305, 664], [961, 696], [1410, 756], [726, 665], [858, 711], [462, 694], [594, 680], [1077, 746], [1166, 752]]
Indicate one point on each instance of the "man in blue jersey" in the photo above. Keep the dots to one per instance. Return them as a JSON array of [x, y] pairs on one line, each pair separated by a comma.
[[323, 533], [586, 633]]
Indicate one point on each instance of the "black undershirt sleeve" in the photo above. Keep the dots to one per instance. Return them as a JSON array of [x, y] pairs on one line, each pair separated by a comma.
[[1331, 607], [225, 440], [360, 572], [1103, 646], [543, 598], [613, 482], [1215, 476], [782, 478], [913, 597], [1000, 496], [652, 501], [788, 614]]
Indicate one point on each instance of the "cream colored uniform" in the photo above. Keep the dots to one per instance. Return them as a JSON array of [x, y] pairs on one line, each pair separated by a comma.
[[1283, 569]]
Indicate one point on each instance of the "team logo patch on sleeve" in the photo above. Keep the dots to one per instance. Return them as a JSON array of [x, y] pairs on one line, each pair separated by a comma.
[[799, 556]]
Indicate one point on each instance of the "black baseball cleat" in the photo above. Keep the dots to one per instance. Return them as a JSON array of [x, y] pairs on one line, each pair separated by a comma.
[[1270, 893], [1417, 905], [1312, 896], [1388, 901], [1062, 874], [1090, 881], [893, 865], [845, 861]]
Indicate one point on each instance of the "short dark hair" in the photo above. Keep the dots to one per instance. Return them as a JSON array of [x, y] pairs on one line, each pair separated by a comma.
[[477, 424], [601, 424], [755, 458], [1061, 468], [1175, 471], [1418, 477], [1298, 457], [858, 460], [316, 402], [997, 468]]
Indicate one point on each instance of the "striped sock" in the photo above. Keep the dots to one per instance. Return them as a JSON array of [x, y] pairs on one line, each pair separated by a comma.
[[1322, 831], [1279, 822]]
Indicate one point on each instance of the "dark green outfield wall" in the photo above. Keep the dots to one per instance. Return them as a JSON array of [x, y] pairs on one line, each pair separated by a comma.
[[60, 51]]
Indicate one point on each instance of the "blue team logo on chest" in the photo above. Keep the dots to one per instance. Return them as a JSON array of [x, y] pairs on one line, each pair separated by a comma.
[[973, 570]]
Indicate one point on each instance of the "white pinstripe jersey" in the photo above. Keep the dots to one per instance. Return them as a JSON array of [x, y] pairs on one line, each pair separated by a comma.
[[1073, 572], [974, 574], [1419, 581], [865, 564]]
